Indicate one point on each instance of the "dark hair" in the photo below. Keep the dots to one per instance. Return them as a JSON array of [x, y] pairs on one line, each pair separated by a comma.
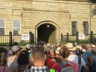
[[15, 43], [3, 57], [64, 52], [78, 52], [38, 53], [15, 52], [23, 58]]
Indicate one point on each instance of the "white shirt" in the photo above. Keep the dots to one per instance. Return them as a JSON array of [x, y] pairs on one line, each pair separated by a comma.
[[74, 58]]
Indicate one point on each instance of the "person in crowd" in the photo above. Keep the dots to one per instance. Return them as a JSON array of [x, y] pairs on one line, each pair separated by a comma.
[[75, 58], [51, 56], [3, 61], [89, 54], [93, 60], [15, 43], [57, 55], [38, 58], [64, 53], [23, 61], [85, 57], [78, 50], [12, 60], [10, 52], [29, 49], [75, 44]]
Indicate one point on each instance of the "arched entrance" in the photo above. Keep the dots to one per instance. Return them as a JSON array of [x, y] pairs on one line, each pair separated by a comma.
[[47, 33]]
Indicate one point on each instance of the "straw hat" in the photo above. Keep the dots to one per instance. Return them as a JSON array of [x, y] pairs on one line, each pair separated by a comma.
[[79, 47], [70, 46], [57, 50]]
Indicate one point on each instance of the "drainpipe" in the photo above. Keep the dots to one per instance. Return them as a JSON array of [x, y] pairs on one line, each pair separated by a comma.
[[90, 14]]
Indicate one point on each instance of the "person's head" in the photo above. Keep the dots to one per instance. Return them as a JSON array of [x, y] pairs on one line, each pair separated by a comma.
[[78, 50], [52, 52], [16, 50], [23, 58], [83, 51], [71, 48], [48, 44], [64, 52], [28, 47], [75, 43], [89, 47], [3, 57], [38, 56], [15, 43], [57, 52]]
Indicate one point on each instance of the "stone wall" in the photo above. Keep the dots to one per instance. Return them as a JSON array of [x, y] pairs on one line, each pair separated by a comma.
[[62, 13]]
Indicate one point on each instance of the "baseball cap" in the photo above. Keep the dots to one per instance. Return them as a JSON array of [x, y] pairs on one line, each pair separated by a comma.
[[15, 48], [28, 46], [83, 50]]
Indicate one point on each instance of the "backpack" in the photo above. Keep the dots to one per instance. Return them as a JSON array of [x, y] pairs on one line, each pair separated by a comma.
[[52, 70], [79, 63], [69, 67], [50, 63], [56, 67]]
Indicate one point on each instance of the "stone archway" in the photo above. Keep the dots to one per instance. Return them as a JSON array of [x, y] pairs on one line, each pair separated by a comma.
[[47, 31]]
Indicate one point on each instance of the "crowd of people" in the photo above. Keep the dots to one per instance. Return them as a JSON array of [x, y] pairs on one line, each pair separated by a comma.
[[46, 57]]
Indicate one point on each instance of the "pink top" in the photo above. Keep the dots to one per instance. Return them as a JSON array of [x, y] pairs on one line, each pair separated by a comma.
[[7, 69]]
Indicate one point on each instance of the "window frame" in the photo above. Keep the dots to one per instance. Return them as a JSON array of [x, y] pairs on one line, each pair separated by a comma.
[[4, 25], [75, 29], [85, 28], [16, 27]]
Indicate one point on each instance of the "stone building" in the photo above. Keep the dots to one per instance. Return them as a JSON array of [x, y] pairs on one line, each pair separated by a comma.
[[47, 19]]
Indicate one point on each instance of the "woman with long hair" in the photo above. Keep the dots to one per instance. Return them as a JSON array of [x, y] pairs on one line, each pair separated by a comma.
[[23, 61], [3, 61]]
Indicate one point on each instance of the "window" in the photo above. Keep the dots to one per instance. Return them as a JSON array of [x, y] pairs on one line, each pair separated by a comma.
[[2, 31], [74, 27], [85, 27], [16, 27]]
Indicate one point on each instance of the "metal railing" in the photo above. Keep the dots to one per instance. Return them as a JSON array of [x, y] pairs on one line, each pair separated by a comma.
[[89, 38], [8, 40]]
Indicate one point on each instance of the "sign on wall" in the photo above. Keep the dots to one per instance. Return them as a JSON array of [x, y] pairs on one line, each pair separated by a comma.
[[25, 36], [81, 36]]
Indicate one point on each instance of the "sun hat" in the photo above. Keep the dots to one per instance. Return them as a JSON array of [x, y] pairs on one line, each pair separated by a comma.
[[28, 46], [79, 47], [70, 46], [93, 46], [15, 48], [57, 50]]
